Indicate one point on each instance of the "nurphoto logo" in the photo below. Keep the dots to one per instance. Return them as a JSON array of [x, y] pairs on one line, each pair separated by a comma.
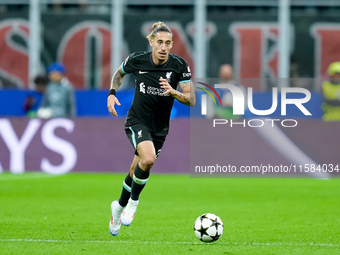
[[239, 106]]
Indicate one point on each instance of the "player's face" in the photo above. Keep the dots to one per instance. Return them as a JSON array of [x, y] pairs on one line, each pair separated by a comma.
[[161, 45]]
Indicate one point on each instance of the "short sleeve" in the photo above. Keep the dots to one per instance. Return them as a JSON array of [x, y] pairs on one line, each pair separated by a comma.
[[127, 65], [185, 75]]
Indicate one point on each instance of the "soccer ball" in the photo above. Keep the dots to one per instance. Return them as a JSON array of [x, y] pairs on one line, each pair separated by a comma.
[[208, 227]]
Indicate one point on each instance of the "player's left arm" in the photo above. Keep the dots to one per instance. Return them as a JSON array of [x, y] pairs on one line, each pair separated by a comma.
[[187, 96]]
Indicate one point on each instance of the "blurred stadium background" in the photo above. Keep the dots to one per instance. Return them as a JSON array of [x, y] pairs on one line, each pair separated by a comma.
[[92, 37]]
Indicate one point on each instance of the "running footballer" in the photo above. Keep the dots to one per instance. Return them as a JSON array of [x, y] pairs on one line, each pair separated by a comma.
[[157, 74]]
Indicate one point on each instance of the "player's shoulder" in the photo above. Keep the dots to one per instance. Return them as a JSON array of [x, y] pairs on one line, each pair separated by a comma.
[[139, 55], [177, 60]]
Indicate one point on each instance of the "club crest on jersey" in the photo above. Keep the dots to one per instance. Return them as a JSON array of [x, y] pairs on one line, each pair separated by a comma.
[[142, 87], [140, 133], [168, 76]]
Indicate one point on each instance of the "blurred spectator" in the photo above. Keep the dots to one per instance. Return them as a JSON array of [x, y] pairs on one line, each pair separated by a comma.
[[59, 98], [41, 82], [331, 94], [225, 73], [226, 77], [33, 99]]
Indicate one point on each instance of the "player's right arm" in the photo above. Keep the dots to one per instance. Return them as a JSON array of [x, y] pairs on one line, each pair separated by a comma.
[[116, 82]]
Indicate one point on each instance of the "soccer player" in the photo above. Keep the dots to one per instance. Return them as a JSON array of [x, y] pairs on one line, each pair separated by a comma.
[[157, 75]]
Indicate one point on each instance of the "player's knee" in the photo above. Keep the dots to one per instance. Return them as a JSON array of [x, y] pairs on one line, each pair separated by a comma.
[[148, 161]]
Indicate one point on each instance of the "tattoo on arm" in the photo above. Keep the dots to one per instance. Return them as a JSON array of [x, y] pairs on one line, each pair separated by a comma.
[[117, 79], [187, 96]]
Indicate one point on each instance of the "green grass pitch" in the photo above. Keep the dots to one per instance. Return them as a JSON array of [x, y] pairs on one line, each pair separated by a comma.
[[69, 214]]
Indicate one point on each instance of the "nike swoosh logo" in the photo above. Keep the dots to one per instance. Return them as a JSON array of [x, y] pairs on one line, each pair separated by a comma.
[[141, 72]]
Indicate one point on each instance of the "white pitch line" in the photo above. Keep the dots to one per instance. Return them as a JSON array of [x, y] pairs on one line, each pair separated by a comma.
[[168, 242], [25, 176]]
